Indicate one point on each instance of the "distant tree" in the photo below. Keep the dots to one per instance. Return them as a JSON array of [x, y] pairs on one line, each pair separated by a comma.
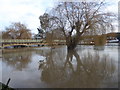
[[57, 34], [51, 33], [1, 34], [8, 34], [16, 31], [75, 19], [44, 21]]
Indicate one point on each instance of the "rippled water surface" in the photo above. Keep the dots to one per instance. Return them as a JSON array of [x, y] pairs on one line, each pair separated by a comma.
[[45, 67]]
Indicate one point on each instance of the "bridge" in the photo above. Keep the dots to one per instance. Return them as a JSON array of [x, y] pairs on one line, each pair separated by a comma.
[[28, 42], [86, 40]]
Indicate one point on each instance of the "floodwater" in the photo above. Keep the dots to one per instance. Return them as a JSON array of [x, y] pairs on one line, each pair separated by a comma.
[[45, 67]]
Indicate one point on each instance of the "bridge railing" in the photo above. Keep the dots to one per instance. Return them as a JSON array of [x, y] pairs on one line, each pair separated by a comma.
[[26, 40], [19, 40]]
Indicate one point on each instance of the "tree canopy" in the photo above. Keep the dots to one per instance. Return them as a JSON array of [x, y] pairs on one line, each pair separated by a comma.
[[16, 30]]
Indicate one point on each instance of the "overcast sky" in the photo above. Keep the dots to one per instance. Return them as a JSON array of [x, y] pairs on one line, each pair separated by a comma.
[[28, 11]]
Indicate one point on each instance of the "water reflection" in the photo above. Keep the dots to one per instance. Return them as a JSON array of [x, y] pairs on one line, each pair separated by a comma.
[[59, 68], [89, 73], [18, 59], [99, 47]]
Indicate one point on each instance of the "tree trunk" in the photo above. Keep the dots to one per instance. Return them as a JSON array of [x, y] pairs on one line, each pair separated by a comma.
[[72, 42], [71, 46]]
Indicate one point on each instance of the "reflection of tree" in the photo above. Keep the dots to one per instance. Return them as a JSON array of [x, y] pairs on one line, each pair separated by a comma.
[[50, 69], [18, 60], [90, 70]]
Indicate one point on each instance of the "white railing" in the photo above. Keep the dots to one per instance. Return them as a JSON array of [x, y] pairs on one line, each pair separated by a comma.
[[26, 40], [19, 40]]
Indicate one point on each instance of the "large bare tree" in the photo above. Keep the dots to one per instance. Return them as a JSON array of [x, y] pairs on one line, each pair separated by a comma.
[[75, 19]]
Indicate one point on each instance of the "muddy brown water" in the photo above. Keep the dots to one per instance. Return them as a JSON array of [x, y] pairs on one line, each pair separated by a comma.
[[45, 67]]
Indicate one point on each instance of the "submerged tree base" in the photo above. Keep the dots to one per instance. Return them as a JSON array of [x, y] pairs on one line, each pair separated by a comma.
[[71, 46]]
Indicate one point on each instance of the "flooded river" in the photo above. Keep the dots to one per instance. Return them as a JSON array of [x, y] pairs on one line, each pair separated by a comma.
[[45, 67]]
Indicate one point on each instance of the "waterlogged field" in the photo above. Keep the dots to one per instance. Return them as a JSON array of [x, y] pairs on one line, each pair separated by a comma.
[[45, 67]]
